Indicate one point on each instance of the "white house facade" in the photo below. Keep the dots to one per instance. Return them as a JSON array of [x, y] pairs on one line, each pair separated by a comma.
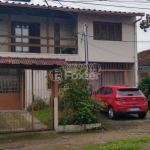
[[37, 30]]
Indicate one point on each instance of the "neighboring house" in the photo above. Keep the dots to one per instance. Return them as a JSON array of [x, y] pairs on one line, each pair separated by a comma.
[[34, 30], [143, 64]]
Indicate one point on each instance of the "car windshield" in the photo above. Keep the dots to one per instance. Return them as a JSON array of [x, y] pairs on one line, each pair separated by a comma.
[[129, 92]]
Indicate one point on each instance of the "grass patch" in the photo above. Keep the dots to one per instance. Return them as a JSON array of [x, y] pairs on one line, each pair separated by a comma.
[[130, 144], [45, 116]]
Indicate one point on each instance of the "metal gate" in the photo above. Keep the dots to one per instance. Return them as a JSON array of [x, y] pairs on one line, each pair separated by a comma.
[[25, 100]]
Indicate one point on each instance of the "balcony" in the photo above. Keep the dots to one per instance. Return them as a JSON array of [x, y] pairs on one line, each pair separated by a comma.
[[70, 47], [31, 31]]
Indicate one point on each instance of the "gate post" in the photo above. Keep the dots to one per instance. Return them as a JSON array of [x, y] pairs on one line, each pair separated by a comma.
[[55, 101], [32, 100]]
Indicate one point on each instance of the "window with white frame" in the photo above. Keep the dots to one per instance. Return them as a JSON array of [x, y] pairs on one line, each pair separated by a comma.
[[25, 33], [22, 30]]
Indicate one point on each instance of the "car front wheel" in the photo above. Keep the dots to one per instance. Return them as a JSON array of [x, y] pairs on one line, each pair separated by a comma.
[[111, 113], [142, 115]]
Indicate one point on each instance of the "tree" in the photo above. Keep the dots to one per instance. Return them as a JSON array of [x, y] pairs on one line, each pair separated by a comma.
[[76, 105], [144, 86]]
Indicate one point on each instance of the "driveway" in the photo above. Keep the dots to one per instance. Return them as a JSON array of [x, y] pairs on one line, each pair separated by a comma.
[[123, 122], [18, 120]]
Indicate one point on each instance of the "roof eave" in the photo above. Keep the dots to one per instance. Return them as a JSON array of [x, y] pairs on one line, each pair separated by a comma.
[[73, 9]]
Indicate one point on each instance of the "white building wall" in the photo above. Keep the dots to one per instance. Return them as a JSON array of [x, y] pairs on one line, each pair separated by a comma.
[[108, 51], [99, 50], [40, 89]]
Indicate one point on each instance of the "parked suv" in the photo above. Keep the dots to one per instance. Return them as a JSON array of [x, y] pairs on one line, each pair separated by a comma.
[[122, 99]]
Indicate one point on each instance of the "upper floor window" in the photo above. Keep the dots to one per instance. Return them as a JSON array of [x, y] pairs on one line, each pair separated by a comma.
[[23, 31], [107, 31]]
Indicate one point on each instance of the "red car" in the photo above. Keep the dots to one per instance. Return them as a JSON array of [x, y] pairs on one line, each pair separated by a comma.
[[122, 99]]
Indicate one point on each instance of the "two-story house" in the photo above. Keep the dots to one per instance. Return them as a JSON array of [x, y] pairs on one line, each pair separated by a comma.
[[37, 29]]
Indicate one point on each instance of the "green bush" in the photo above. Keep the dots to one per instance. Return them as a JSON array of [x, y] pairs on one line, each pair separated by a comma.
[[144, 86], [76, 104], [39, 104]]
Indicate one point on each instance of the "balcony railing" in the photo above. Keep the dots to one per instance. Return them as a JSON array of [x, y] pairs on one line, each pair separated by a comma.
[[69, 48]]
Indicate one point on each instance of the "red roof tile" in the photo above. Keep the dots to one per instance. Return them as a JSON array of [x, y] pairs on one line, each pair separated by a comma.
[[32, 61], [144, 58], [73, 7]]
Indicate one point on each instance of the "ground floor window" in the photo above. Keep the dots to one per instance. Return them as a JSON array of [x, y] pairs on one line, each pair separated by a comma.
[[9, 80]]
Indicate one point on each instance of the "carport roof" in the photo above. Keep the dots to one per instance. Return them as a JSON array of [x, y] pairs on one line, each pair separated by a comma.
[[31, 63]]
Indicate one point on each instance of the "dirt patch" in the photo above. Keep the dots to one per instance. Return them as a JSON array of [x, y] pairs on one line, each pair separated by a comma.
[[72, 141]]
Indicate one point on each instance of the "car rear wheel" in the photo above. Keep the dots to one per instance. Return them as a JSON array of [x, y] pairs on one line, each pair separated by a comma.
[[142, 115], [111, 113]]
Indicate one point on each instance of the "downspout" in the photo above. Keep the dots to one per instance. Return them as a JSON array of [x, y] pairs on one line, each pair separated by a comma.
[[135, 52]]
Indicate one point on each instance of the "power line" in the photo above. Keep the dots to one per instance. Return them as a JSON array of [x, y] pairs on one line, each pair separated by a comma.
[[104, 16], [82, 2], [93, 44], [107, 1], [71, 14], [50, 11], [65, 29], [110, 19]]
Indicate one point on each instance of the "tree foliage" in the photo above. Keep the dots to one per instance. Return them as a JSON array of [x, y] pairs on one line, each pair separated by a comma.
[[75, 103], [144, 86]]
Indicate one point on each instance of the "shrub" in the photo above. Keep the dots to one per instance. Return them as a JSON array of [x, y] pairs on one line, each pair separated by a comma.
[[39, 104], [144, 86], [76, 104]]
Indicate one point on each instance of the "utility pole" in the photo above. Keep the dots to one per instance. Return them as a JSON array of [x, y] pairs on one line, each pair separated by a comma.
[[85, 34], [86, 45]]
